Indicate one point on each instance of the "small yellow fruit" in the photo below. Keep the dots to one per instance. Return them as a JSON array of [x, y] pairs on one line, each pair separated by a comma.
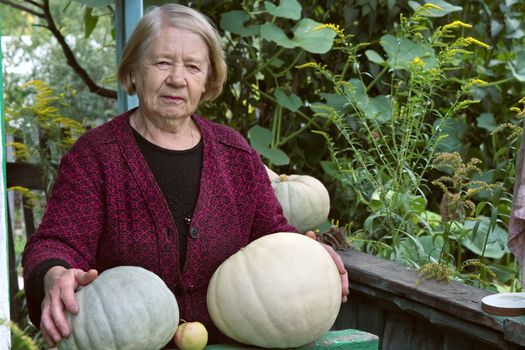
[[191, 336]]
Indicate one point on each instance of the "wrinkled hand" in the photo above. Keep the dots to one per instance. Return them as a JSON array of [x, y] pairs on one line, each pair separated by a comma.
[[60, 285], [340, 267]]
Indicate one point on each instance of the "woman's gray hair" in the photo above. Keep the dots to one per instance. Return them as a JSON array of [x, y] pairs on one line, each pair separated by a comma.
[[178, 16]]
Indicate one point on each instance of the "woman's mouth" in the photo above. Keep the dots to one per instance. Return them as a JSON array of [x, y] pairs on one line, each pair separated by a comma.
[[172, 98]]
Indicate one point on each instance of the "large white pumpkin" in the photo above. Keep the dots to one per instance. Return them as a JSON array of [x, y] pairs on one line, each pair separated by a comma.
[[282, 290], [305, 200], [126, 307]]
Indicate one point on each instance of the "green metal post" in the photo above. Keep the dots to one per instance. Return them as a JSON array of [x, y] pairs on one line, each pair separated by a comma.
[[5, 334], [127, 14]]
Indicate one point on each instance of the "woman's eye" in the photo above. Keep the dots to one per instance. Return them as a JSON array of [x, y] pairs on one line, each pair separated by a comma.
[[162, 64], [194, 67]]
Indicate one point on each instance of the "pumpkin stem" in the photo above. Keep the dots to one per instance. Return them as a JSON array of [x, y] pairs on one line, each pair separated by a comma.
[[283, 177]]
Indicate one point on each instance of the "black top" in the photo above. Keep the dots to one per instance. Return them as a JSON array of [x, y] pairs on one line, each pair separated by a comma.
[[178, 174]]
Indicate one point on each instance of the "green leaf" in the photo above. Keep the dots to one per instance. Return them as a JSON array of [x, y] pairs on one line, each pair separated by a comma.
[[275, 155], [431, 246], [271, 32], [514, 28], [376, 108], [260, 139], [374, 57], [334, 101], [402, 51], [90, 22], [447, 8], [260, 136], [497, 238], [379, 109], [454, 130], [96, 3], [233, 22], [304, 36], [355, 93], [287, 9], [311, 40], [518, 66], [486, 121], [291, 101]]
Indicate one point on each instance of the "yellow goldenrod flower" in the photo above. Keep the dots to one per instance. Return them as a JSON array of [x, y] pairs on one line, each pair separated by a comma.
[[308, 65], [478, 82], [456, 24], [430, 6], [418, 61], [334, 27], [471, 40]]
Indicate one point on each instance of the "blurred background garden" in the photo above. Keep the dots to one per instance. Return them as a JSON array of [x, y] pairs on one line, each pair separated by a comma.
[[410, 113]]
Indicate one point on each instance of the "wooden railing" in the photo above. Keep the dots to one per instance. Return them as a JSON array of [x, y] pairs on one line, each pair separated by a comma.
[[385, 300]]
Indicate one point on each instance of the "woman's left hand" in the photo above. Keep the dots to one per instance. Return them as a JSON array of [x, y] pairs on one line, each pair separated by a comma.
[[340, 266]]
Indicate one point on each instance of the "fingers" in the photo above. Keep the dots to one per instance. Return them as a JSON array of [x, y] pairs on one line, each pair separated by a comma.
[[84, 278], [50, 332], [61, 285], [345, 287], [53, 324], [79, 278], [345, 290], [311, 234]]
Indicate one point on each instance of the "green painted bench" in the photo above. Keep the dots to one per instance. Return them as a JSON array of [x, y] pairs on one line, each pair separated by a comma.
[[347, 339]]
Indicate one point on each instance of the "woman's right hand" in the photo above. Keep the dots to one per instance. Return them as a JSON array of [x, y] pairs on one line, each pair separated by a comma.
[[60, 285]]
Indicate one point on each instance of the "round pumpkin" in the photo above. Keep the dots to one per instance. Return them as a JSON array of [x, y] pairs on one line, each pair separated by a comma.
[[282, 290], [304, 199], [272, 175], [126, 307]]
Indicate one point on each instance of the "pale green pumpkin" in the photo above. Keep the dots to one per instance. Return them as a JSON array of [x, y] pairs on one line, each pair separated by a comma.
[[304, 199], [124, 308], [281, 291]]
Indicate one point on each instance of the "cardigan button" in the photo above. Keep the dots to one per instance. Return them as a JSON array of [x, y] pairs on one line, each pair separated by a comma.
[[194, 232]]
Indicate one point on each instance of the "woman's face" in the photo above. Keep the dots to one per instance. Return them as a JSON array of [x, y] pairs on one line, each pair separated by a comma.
[[172, 78]]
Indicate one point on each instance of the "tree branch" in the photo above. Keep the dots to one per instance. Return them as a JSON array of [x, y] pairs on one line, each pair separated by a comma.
[[23, 8], [34, 3], [68, 53], [70, 57]]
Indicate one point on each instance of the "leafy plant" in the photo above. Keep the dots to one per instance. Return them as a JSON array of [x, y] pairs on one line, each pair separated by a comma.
[[41, 130], [389, 144], [21, 339], [391, 139]]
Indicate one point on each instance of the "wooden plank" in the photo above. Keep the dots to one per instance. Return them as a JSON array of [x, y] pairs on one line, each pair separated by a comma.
[[515, 329], [455, 298], [347, 339], [25, 175], [398, 332], [371, 317], [395, 303]]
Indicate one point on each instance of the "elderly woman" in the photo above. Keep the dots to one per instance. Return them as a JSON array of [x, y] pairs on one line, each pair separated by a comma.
[[158, 186]]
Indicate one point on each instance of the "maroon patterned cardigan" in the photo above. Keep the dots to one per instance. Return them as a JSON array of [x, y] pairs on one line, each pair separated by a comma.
[[107, 210]]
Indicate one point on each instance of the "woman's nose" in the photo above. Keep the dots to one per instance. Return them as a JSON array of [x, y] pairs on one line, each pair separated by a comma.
[[176, 75]]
